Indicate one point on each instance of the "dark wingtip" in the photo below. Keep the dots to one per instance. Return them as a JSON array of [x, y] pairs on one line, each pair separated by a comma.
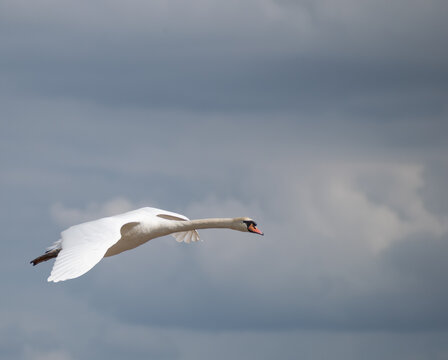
[[47, 256]]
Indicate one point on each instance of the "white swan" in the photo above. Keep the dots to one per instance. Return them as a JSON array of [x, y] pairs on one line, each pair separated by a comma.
[[82, 246]]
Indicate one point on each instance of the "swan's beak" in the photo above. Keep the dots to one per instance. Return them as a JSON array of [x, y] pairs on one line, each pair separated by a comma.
[[253, 228]]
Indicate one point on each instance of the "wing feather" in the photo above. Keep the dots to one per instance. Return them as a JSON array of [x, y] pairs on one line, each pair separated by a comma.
[[83, 246], [188, 237], [180, 236]]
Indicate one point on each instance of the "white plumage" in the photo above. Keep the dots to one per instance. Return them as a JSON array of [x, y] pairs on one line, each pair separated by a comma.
[[82, 246]]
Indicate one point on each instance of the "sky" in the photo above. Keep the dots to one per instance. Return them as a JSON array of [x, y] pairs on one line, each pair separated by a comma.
[[325, 121]]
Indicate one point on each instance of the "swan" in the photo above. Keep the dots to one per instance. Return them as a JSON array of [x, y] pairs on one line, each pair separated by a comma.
[[82, 246]]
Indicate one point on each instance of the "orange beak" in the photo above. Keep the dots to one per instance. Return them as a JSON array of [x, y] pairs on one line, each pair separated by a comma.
[[253, 229]]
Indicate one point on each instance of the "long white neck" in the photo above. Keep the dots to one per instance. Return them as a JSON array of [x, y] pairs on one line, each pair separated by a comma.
[[214, 223]]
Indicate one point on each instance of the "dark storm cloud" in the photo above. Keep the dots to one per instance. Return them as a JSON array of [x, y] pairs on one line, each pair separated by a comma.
[[273, 63]]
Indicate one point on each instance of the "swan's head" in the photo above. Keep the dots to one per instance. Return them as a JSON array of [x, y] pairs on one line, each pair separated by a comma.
[[248, 225]]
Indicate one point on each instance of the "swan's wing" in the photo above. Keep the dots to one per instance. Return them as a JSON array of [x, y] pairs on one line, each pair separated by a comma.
[[186, 236], [83, 246]]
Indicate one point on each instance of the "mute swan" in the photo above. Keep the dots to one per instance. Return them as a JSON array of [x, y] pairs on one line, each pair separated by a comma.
[[82, 246]]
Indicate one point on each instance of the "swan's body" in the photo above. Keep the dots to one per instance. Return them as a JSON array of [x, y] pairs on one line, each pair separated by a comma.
[[82, 246]]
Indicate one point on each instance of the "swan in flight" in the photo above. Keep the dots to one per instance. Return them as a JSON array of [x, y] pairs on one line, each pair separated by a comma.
[[82, 246]]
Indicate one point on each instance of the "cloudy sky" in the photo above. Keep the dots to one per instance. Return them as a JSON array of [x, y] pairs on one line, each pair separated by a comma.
[[325, 121]]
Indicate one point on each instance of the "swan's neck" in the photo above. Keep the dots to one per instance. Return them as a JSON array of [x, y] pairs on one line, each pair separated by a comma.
[[179, 226]]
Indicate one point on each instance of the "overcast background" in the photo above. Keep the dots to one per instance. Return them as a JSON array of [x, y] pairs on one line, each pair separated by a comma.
[[325, 121]]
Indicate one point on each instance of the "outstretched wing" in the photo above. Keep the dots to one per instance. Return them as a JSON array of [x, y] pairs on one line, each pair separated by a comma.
[[83, 246]]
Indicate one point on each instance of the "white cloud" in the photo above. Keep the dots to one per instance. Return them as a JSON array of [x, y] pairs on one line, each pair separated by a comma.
[[335, 203]]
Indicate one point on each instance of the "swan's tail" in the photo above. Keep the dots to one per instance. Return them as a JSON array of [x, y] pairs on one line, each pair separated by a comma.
[[50, 254]]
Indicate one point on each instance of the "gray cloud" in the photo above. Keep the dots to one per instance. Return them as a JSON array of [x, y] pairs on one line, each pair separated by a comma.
[[275, 56]]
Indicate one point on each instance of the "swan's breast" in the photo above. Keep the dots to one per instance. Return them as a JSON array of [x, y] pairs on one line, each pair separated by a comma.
[[132, 235]]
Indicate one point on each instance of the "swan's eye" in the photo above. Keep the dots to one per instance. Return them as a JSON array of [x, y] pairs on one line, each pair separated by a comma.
[[248, 223]]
